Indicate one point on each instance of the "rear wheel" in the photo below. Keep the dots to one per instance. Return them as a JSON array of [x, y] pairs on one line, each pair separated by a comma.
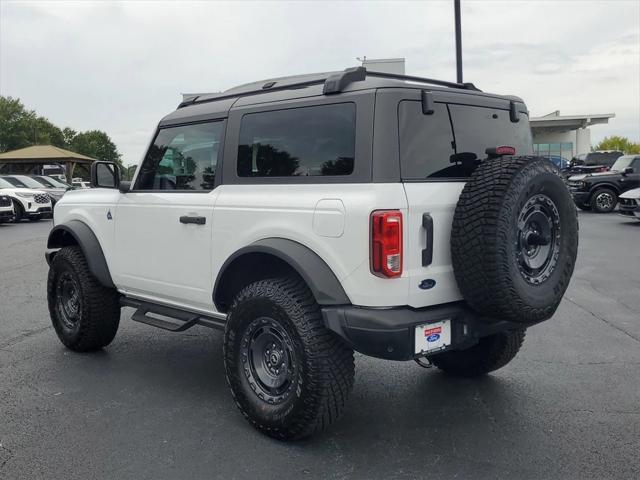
[[489, 354], [603, 200], [289, 375], [84, 314]]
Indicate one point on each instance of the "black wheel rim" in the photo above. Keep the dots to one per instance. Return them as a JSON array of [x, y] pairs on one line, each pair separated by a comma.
[[68, 301], [269, 360], [604, 201], [538, 239]]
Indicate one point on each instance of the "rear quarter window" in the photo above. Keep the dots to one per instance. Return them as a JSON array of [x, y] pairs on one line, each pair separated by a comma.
[[298, 142]]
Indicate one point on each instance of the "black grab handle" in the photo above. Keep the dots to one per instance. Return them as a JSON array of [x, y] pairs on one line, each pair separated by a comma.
[[427, 252], [195, 220]]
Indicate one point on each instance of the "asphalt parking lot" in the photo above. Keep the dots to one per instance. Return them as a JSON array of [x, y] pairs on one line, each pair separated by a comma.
[[156, 405]]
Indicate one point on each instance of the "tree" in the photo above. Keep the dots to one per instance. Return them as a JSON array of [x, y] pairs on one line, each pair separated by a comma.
[[621, 144], [21, 128], [95, 144]]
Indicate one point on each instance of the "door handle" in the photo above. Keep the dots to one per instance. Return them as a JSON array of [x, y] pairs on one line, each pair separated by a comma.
[[195, 220], [427, 253]]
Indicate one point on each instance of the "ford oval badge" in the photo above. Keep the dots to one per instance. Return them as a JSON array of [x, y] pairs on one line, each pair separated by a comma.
[[427, 284], [433, 337]]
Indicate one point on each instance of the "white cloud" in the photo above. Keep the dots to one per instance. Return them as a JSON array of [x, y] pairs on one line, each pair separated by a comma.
[[120, 67]]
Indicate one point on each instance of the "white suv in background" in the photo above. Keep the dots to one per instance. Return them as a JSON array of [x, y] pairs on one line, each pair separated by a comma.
[[27, 203], [6, 208], [26, 181], [312, 216]]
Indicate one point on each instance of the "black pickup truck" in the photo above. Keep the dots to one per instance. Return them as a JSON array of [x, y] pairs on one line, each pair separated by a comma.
[[599, 191], [592, 162]]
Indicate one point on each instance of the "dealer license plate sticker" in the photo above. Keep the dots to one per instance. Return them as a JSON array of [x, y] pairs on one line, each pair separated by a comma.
[[433, 336]]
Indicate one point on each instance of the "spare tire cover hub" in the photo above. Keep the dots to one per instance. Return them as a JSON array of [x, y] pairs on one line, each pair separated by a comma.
[[538, 240]]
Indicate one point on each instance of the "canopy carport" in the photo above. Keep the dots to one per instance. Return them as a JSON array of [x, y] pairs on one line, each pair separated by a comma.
[[32, 159]]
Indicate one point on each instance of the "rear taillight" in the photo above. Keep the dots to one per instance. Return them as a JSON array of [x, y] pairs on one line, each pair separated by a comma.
[[386, 243], [505, 150]]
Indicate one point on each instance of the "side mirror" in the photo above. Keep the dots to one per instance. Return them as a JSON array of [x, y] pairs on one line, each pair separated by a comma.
[[627, 171], [105, 175]]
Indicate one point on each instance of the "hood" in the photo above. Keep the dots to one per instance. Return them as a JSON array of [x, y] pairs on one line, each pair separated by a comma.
[[575, 178], [611, 174], [13, 191], [635, 193]]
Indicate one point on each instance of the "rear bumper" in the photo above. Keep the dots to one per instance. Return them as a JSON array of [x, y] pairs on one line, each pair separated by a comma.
[[389, 333]]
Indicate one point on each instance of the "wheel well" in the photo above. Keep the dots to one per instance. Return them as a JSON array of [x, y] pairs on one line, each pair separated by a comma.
[[61, 238], [246, 269], [17, 203], [604, 187]]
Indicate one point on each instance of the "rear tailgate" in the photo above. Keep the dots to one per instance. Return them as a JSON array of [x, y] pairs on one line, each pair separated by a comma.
[[438, 151]]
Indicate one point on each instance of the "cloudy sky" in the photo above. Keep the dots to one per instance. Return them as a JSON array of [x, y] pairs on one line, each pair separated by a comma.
[[119, 67]]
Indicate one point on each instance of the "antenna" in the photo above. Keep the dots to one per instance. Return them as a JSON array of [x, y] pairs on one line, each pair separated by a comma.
[[456, 6]]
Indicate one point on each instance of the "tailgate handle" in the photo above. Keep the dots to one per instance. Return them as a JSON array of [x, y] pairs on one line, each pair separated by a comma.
[[193, 219], [427, 252]]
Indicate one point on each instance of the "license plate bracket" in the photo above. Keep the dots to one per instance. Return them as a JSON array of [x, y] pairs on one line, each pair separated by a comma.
[[432, 337]]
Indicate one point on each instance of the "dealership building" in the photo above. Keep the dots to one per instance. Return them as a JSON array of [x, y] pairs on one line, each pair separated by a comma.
[[564, 135]]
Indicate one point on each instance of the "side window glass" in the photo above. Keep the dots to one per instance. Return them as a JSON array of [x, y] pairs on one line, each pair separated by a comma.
[[306, 141], [182, 158]]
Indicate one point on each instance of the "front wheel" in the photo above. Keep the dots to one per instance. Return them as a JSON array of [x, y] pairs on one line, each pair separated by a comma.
[[84, 313], [489, 354], [18, 211], [289, 375], [604, 200]]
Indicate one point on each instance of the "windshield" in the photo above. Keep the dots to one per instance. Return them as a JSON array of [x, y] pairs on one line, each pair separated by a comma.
[[28, 181], [43, 182], [14, 182], [622, 163], [601, 158], [53, 182], [5, 184]]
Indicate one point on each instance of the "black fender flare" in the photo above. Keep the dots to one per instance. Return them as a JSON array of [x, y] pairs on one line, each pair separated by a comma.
[[75, 232], [610, 186], [319, 277]]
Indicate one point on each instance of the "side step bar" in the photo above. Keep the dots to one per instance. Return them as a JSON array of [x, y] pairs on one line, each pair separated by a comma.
[[175, 320]]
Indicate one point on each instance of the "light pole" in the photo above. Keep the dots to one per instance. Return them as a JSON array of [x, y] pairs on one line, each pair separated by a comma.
[[456, 6]]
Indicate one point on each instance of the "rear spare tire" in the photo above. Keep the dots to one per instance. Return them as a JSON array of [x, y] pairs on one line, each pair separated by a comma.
[[514, 239]]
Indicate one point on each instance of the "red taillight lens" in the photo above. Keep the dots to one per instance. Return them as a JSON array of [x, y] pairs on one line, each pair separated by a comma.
[[505, 150], [386, 243]]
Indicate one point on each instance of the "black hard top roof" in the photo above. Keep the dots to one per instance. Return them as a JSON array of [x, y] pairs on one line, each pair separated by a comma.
[[334, 82], [207, 106]]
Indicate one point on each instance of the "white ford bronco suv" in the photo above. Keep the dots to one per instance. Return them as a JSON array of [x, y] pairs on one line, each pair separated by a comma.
[[312, 216]]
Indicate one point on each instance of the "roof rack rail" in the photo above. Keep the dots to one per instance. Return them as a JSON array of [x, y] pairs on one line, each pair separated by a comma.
[[334, 83], [339, 81], [265, 88], [442, 83]]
